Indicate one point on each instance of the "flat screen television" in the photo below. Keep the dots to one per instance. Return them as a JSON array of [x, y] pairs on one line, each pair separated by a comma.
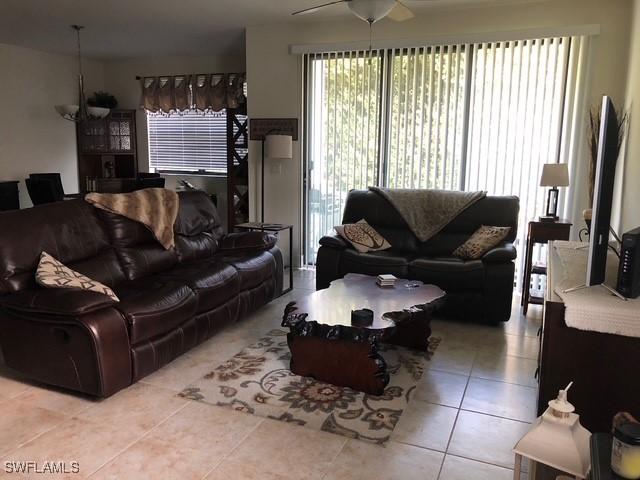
[[603, 194]]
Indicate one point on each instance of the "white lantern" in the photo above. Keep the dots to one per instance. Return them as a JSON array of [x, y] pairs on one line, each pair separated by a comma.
[[556, 439]]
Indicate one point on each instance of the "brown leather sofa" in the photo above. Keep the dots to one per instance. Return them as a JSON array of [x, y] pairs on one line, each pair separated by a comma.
[[170, 301], [477, 290]]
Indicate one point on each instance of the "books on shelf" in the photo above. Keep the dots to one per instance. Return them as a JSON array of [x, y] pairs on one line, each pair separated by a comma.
[[386, 280]]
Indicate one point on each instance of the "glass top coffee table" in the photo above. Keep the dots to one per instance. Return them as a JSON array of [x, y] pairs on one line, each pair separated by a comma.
[[325, 344]]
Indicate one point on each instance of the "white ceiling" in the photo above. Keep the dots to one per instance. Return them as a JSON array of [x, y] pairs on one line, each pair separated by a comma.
[[136, 28]]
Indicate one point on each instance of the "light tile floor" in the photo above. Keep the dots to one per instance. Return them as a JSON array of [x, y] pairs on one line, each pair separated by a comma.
[[473, 403]]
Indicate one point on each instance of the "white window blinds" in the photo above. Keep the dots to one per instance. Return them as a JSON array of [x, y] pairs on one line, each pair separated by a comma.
[[190, 142]]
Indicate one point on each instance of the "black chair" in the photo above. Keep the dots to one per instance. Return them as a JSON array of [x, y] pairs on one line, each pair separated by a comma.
[[55, 179], [43, 190], [150, 182]]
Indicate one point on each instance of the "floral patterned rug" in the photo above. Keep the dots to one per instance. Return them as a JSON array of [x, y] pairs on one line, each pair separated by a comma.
[[257, 380]]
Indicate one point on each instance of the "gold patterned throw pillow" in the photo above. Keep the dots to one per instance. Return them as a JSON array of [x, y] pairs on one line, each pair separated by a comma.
[[54, 274], [482, 240], [362, 236]]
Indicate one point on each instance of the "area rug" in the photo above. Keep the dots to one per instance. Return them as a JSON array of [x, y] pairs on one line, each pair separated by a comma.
[[257, 380]]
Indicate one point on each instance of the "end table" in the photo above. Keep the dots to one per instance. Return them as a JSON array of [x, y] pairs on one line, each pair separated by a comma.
[[274, 228], [539, 232]]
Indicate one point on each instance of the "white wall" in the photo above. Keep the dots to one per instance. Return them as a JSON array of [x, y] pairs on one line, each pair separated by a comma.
[[33, 137], [120, 80], [630, 204], [275, 77]]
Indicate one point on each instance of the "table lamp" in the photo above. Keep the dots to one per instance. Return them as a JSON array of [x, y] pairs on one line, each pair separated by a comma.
[[556, 439], [274, 146], [554, 175]]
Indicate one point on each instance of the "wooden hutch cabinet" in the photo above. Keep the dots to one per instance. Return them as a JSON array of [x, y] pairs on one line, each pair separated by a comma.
[[107, 153]]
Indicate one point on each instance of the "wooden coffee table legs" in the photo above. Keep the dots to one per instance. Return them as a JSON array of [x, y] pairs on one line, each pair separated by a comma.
[[345, 363], [412, 329]]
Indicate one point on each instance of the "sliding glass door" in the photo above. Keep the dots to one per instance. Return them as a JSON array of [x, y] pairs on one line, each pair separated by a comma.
[[343, 132], [462, 117]]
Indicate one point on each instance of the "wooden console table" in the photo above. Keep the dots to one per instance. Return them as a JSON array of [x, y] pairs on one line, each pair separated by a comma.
[[539, 232], [601, 365]]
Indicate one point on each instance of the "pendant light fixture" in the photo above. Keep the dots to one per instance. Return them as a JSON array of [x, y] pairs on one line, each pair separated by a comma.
[[80, 112]]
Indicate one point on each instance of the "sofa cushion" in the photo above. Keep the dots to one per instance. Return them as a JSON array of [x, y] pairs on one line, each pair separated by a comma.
[[449, 273], [139, 252], [375, 263], [70, 231], [54, 274], [153, 306], [252, 270], [198, 227], [212, 281], [362, 236], [482, 240], [104, 267]]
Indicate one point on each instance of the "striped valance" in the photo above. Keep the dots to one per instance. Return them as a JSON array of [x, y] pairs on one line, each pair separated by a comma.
[[198, 92]]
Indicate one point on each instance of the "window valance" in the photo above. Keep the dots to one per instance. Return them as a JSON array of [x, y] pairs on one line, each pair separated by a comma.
[[210, 92]]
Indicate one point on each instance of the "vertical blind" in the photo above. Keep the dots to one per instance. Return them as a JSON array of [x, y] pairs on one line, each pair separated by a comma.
[[426, 110], [188, 142], [482, 116], [344, 135]]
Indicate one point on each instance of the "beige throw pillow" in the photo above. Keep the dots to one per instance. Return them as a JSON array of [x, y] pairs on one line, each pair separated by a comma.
[[482, 240], [54, 274], [362, 236]]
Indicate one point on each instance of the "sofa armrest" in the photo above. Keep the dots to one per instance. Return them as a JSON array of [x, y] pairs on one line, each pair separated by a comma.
[[333, 241], [247, 242], [504, 253], [88, 353], [56, 301]]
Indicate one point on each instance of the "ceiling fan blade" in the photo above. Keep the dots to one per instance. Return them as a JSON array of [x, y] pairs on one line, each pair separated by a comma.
[[317, 7], [400, 12]]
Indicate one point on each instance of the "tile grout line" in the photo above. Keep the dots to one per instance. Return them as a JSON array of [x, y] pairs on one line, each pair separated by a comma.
[[455, 422], [240, 442], [479, 461], [329, 464], [243, 439], [143, 435]]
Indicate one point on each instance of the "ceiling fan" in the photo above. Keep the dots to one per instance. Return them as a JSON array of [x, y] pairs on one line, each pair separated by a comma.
[[369, 10]]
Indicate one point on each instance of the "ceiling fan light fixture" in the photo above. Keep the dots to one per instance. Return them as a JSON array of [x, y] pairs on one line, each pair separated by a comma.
[[371, 10]]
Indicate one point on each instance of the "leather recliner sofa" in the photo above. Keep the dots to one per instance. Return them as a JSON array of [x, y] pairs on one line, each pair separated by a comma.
[[170, 300], [478, 290]]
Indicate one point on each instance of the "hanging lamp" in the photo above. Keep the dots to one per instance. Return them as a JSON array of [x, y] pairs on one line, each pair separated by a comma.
[[80, 112]]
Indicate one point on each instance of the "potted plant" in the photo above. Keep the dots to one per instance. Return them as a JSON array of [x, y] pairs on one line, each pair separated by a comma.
[[103, 100], [594, 134]]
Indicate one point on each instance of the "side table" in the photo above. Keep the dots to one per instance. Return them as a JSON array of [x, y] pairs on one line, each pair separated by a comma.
[[274, 228], [539, 232]]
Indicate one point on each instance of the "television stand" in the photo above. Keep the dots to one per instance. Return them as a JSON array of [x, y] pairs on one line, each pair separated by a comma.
[[604, 285], [597, 362]]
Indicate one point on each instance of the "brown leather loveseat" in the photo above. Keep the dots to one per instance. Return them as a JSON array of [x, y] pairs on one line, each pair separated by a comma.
[[170, 300]]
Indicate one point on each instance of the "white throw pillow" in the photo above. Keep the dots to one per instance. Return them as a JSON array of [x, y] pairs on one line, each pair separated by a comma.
[[52, 273], [362, 236]]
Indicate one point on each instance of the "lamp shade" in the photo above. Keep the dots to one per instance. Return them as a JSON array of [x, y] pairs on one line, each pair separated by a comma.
[[554, 175], [278, 146]]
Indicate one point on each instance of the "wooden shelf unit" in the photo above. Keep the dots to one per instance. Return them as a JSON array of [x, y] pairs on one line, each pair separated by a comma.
[[107, 140]]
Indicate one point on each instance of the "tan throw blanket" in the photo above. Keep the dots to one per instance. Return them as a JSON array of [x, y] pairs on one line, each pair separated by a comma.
[[428, 211], [155, 208]]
